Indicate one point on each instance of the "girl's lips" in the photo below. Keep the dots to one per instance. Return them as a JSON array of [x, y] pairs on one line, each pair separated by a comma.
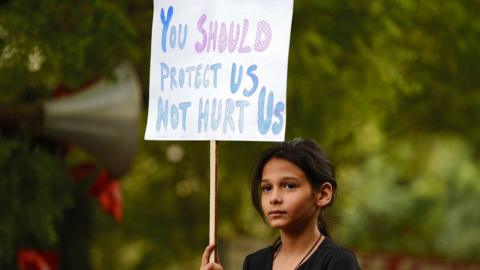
[[276, 213]]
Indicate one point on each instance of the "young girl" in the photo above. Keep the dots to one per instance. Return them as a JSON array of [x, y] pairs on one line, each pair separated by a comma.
[[292, 184]]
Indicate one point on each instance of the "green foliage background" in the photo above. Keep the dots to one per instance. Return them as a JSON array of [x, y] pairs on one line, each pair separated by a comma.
[[389, 88]]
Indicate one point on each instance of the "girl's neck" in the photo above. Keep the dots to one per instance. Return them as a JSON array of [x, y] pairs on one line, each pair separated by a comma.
[[295, 241]]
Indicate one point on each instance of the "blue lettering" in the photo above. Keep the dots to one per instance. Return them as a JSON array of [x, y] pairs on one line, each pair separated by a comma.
[[189, 71], [235, 85], [174, 117], [173, 82], [162, 114], [264, 121], [173, 36], [198, 80], [216, 113], [181, 77], [183, 107], [163, 75], [228, 121], [215, 68], [254, 77], [166, 23], [278, 126], [203, 115], [241, 104], [206, 81], [181, 43]]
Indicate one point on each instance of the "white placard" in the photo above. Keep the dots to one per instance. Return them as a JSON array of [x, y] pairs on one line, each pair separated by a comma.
[[218, 70]]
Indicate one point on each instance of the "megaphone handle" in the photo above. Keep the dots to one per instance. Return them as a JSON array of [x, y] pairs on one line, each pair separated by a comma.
[[15, 117]]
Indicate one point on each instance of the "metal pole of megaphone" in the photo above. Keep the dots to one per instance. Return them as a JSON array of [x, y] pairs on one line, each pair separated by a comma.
[[103, 119]]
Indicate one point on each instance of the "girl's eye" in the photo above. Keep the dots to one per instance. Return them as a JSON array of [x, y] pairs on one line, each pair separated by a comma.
[[266, 188], [290, 186]]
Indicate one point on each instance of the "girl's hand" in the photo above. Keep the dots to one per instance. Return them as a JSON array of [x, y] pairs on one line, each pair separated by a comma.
[[206, 257]]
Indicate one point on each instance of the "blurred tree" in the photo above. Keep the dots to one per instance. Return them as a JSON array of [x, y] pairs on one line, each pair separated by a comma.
[[370, 77], [34, 192], [419, 197], [45, 46]]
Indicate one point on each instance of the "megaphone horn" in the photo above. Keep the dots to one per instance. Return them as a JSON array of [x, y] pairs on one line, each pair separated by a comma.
[[103, 119]]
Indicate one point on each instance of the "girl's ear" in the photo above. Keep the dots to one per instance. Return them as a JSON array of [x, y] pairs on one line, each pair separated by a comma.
[[324, 195]]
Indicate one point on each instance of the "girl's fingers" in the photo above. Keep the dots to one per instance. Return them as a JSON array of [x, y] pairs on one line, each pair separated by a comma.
[[206, 254]]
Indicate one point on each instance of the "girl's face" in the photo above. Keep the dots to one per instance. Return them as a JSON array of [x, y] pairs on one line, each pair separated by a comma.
[[288, 199]]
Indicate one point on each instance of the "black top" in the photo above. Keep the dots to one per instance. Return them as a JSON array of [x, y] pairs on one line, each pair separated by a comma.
[[328, 256]]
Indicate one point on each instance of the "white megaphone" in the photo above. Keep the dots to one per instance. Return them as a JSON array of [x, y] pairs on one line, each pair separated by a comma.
[[104, 119]]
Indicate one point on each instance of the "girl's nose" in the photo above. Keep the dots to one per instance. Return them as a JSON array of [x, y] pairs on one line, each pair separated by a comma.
[[276, 197]]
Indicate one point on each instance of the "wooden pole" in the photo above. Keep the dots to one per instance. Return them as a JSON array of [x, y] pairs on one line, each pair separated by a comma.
[[213, 197]]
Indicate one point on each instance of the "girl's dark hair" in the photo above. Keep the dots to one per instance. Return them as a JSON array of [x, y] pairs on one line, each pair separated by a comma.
[[306, 155]]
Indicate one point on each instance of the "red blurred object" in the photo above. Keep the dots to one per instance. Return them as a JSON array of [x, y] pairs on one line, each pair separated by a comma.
[[60, 91], [63, 91], [29, 259], [81, 171], [109, 194]]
